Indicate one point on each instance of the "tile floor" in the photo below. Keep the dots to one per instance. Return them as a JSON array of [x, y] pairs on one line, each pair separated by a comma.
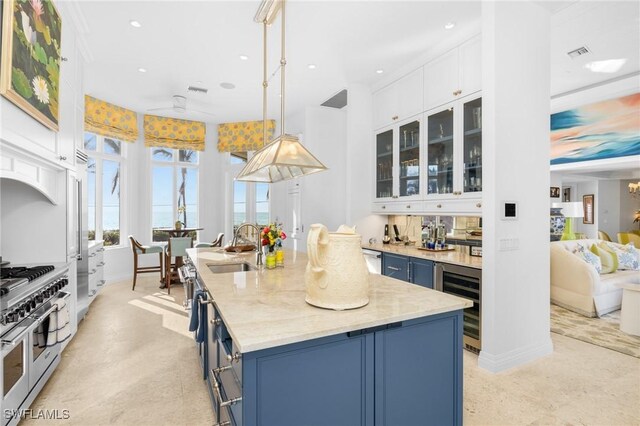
[[133, 362]]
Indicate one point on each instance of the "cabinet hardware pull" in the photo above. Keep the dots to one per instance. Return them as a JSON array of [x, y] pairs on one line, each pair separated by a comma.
[[479, 205], [455, 92], [395, 117], [235, 357], [205, 302], [395, 196], [62, 158], [408, 206], [384, 207], [216, 321], [439, 206], [221, 369], [393, 268], [216, 391]]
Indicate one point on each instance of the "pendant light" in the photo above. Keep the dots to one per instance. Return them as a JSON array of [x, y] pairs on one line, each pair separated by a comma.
[[283, 158]]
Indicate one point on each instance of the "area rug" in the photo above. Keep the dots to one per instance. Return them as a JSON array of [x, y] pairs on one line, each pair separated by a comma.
[[603, 331]]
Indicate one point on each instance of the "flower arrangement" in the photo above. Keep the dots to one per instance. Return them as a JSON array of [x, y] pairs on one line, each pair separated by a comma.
[[181, 211], [272, 236]]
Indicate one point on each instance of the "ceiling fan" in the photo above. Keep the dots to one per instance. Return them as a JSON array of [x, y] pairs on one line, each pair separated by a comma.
[[179, 107]]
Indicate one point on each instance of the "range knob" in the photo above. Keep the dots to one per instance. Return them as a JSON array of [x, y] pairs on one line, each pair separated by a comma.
[[39, 297], [21, 311], [64, 282], [11, 317], [27, 306], [32, 303]]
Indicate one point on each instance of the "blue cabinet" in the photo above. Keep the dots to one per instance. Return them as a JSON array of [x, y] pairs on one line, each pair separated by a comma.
[[395, 266], [421, 272], [407, 373], [409, 269]]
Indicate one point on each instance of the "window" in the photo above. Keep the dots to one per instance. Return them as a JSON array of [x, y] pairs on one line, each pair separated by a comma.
[[250, 200], [104, 180], [174, 179]]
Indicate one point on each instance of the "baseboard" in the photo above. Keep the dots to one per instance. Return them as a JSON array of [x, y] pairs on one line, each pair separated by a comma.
[[514, 358]]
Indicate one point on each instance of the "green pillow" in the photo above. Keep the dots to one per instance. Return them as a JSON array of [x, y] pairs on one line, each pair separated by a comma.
[[608, 258]]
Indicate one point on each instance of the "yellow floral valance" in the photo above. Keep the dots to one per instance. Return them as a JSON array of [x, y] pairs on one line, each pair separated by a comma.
[[110, 120], [244, 136], [173, 133]]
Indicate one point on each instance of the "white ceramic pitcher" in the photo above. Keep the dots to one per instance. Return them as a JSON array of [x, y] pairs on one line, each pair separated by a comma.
[[336, 276]]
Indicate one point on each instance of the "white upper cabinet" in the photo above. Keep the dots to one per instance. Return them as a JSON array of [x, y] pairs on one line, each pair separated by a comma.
[[471, 66], [455, 74], [399, 100]]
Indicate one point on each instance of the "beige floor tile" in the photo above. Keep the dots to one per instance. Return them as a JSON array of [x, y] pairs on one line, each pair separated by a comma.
[[133, 362]]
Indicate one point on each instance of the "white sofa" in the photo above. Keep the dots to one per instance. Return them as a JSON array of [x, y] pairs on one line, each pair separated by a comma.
[[575, 285]]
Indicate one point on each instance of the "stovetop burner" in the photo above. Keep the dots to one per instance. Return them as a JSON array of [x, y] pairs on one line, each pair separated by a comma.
[[24, 272]]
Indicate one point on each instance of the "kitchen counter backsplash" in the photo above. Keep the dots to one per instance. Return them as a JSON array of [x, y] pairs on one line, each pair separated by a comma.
[[457, 257]]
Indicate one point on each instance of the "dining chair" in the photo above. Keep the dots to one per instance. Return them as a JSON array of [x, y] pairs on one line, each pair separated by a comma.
[[139, 249], [629, 237], [216, 243], [603, 236], [177, 248]]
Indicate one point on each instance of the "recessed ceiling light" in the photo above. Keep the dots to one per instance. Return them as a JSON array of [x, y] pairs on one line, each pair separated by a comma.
[[311, 66], [244, 57], [135, 23], [227, 85], [608, 66], [449, 25], [379, 71], [142, 69]]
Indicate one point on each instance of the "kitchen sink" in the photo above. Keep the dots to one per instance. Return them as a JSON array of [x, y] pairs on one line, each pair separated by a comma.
[[223, 268]]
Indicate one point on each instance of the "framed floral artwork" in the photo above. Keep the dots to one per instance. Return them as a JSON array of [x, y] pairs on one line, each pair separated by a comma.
[[30, 58]]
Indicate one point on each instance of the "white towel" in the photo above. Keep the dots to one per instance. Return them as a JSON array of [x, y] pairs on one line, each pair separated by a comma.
[[59, 327]]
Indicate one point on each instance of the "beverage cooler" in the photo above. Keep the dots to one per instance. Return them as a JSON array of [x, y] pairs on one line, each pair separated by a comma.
[[464, 282]]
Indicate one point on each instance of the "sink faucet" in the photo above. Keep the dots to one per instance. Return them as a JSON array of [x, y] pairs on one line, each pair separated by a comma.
[[258, 241]]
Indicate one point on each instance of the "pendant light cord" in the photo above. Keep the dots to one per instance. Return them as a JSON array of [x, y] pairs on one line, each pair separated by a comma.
[[283, 62], [265, 83]]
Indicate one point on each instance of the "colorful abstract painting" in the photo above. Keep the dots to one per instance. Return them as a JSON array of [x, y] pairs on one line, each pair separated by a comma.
[[607, 129], [30, 66]]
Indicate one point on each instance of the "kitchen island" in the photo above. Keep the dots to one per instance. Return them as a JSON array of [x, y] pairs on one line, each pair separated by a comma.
[[272, 359]]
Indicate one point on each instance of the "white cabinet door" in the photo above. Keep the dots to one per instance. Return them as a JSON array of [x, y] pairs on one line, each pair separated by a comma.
[[471, 66], [385, 106], [441, 80], [410, 94], [73, 240], [65, 138]]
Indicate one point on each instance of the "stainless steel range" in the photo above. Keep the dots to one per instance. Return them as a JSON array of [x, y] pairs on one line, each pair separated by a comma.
[[28, 296]]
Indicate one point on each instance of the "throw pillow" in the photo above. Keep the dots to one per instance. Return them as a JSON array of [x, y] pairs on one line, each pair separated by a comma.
[[589, 257], [608, 259], [628, 256]]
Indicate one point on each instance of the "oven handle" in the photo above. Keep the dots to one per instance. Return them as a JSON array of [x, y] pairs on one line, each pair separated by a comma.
[[13, 340], [44, 315]]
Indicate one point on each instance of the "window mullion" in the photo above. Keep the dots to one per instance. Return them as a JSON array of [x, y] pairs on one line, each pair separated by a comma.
[[99, 199]]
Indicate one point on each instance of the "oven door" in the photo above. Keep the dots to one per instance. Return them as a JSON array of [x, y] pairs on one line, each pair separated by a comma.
[[41, 354], [15, 361]]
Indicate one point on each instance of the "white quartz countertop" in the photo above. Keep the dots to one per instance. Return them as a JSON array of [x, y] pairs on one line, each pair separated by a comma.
[[267, 308], [456, 257]]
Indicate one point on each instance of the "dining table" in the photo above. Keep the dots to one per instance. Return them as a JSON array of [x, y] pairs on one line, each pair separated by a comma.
[[177, 233]]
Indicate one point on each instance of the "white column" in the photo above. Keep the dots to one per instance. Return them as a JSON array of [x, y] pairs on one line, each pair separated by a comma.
[[516, 99]]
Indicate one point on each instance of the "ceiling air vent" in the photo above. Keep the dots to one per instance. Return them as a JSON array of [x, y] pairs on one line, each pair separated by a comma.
[[339, 100], [197, 89], [580, 51]]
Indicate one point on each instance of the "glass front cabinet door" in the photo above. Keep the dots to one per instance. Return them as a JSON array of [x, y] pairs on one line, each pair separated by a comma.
[[472, 146], [454, 150], [398, 162]]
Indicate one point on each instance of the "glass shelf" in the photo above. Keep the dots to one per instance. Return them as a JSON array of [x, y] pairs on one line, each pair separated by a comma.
[[440, 153], [472, 146]]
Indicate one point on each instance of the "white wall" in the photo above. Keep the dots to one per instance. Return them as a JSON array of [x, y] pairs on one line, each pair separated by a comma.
[[359, 174], [515, 274], [608, 207]]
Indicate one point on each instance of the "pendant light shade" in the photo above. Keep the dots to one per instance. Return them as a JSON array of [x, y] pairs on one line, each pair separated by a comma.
[[283, 158]]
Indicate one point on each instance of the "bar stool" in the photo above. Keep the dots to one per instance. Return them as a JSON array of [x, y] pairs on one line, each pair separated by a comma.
[[139, 249], [177, 248], [216, 243]]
